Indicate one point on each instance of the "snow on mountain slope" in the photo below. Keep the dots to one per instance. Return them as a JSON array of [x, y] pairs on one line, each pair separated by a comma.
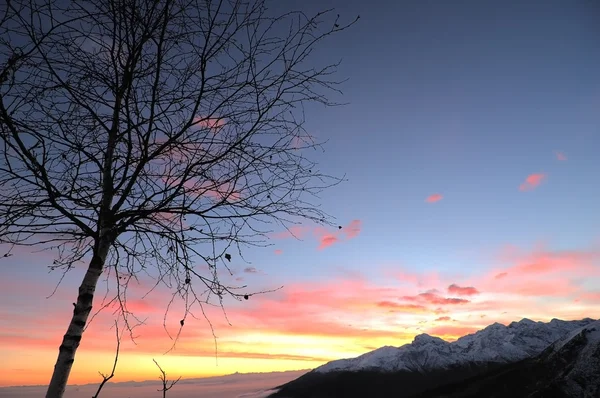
[[575, 361], [495, 343]]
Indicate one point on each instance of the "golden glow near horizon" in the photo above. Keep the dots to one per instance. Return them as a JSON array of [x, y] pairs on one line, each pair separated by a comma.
[[300, 327], [276, 342]]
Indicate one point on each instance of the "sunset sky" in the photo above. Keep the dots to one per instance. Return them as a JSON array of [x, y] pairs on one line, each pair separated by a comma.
[[471, 146]]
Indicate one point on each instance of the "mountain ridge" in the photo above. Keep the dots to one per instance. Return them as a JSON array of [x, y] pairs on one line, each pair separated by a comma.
[[499, 353], [494, 343]]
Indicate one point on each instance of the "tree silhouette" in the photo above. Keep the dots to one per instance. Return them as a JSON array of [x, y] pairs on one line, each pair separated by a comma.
[[155, 136]]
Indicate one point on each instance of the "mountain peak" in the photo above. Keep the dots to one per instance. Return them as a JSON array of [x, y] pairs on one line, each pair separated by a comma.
[[424, 338], [496, 343], [527, 321], [557, 358]]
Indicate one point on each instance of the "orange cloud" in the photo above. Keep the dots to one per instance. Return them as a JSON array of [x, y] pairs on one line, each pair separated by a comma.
[[397, 307], [443, 319], [532, 181], [462, 291], [561, 156], [436, 197]]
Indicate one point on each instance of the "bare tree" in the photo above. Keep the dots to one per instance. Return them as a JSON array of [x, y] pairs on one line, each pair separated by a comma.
[[156, 136], [107, 377], [166, 384]]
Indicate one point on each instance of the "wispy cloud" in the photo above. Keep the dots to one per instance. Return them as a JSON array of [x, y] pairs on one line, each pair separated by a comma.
[[399, 307], [327, 241], [539, 283], [561, 156], [462, 291], [293, 231], [328, 238], [278, 251], [432, 297], [212, 123], [217, 190], [532, 181], [436, 197], [543, 272], [353, 229]]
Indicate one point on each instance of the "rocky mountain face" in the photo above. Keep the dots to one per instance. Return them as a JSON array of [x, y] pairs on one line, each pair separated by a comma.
[[570, 367], [523, 359]]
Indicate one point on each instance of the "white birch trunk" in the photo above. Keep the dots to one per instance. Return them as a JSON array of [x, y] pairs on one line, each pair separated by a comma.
[[81, 312]]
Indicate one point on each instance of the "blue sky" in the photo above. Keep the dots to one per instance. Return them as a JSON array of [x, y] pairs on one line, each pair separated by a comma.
[[466, 99]]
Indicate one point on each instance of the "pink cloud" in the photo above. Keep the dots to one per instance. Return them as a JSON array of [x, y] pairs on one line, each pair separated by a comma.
[[539, 288], [593, 297], [209, 122], [327, 241], [353, 229], [140, 306], [561, 156], [330, 308], [544, 261], [278, 251], [436, 197], [501, 275], [543, 272], [336, 308], [303, 141], [432, 297], [398, 307], [328, 238], [532, 181], [217, 190], [293, 231], [462, 291]]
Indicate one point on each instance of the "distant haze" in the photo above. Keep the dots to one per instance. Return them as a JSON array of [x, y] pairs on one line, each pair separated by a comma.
[[253, 385]]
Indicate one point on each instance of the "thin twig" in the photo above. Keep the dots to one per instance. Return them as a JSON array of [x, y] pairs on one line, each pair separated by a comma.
[[166, 384], [106, 378]]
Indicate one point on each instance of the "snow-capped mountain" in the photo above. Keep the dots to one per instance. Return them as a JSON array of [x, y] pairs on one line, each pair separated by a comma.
[[570, 367], [574, 362], [524, 359], [496, 343]]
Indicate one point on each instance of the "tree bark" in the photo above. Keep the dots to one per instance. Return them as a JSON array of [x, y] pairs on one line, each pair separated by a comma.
[[81, 312]]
